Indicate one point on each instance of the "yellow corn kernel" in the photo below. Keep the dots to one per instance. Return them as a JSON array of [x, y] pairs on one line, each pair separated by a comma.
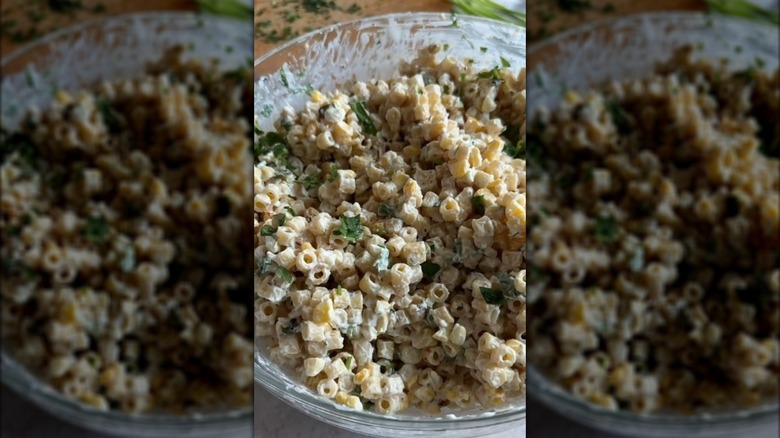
[[494, 150], [63, 96], [323, 312], [68, 313], [362, 376], [459, 168], [353, 402], [94, 400], [317, 97], [603, 400], [577, 313], [341, 397], [571, 96]]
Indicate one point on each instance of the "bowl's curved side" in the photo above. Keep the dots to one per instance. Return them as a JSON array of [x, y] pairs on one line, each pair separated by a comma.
[[113, 48], [373, 48], [72, 59]]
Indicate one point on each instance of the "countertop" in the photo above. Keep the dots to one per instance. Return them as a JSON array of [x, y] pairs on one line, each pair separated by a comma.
[[274, 419]]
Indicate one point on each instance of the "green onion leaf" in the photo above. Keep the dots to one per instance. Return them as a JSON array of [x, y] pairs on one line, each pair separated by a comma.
[[492, 296], [284, 274], [430, 270], [359, 108], [478, 204]]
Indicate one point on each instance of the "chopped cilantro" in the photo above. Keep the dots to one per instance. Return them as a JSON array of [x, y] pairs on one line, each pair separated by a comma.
[[267, 230], [493, 74], [351, 229], [311, 181]]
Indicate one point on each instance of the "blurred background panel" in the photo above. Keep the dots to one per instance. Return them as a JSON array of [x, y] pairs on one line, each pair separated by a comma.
[[213, 375], [547, 19]]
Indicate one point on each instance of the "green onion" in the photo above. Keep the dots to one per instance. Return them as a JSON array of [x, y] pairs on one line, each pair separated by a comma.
[[386, 210], [744, 9], [492, 296], [478, 204], [96, 229], [430, 270], [359, 108], [284, 274], [227, 8], [488, 9]]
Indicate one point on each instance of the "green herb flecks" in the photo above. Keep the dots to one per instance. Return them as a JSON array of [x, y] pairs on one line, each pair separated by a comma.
[[351, 229], [386, 210], [311, 181]]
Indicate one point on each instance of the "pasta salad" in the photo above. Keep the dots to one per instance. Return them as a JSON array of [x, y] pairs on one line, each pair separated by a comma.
[[389, 233]]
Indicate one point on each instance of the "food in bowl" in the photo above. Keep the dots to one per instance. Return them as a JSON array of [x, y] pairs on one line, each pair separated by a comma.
[[389, 231], [124, 286], [652, 245]]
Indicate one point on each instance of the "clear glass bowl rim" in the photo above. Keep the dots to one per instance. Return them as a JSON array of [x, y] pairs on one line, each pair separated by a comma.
[[39, 393], [307, 399], [540, 387]]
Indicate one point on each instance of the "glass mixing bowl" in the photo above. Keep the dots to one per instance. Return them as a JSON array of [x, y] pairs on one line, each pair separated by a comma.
[[366, 49], [627, 48], [72, 59]]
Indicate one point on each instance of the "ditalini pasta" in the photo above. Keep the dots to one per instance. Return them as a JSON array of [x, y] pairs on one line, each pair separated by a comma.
[[389, 234], [125, 240], [653, 243]]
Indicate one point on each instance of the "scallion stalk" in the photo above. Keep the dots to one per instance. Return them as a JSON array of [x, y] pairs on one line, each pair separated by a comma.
[[744, 9], [227, 8], [488, 9]]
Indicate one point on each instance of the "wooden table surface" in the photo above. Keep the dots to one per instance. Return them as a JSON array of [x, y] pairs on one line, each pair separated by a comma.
[[25, 20], [281, 15], [546, 18]]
